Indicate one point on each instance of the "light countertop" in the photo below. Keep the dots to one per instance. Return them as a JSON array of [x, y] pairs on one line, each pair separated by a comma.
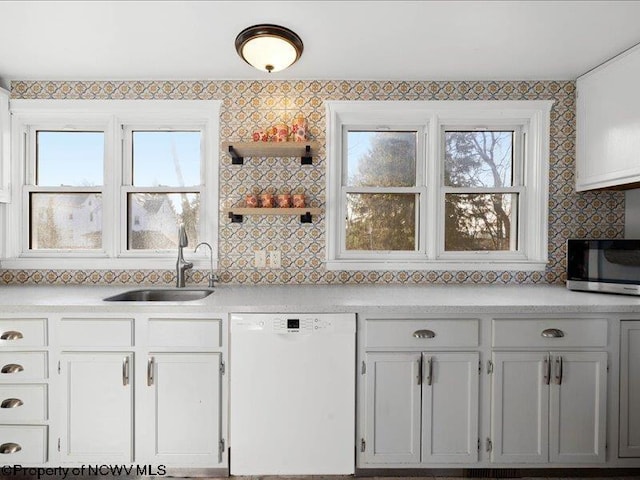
[[371, 299]]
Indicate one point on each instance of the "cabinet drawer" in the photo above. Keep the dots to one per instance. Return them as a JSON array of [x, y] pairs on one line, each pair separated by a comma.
[[31, 441], [185, 332], [22, 366], [23, 332], [96, 332], [23, 403], [529, 332], [423, 333]]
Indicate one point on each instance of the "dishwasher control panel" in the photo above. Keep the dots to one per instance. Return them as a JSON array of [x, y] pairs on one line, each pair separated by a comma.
[[292, 323]]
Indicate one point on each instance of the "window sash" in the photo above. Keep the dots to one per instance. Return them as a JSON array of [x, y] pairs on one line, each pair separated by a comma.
[[124, 250], [518, 159], [419, 190], [518, 150], [420, 131], [127, 146], [420, 248]]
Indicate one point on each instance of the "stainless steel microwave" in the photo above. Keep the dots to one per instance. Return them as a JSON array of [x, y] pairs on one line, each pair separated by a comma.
[[609, 266]]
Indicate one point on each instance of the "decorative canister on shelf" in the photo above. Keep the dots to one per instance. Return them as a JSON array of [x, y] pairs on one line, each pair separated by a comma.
[[272, 133], [299, 129], [259, 136], [282, 132], [298, 200], [251, 201], [284, 200], [266, 200]]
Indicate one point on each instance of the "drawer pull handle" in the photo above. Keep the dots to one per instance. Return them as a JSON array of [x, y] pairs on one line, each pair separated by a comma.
[[11, 335], [12, 368], [552, 333], [6, 448], [11, 403], [424, 334]]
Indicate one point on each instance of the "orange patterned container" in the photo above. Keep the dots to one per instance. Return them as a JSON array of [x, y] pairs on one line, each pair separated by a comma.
[[299, 200], [260, 136], [272, 134], [266, 200], [284, 200], [282, 132], [299, 129], [251, 201]]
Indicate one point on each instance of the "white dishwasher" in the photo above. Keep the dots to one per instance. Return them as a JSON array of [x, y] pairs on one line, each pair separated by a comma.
[[292, 394]]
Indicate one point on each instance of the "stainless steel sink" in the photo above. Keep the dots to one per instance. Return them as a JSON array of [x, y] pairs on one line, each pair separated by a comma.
[[161, 295]]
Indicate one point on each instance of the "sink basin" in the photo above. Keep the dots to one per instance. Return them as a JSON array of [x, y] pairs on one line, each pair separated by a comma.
[[161, 295]]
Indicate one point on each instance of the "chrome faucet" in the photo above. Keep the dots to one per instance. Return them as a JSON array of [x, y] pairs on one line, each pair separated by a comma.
[[212, 278], [181, 264]]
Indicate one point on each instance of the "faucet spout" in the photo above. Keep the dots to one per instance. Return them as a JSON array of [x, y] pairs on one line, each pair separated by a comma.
[[212, 277], [181, 264]]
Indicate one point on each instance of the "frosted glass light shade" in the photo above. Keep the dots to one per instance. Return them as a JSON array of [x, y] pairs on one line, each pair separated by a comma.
[[270, 48]]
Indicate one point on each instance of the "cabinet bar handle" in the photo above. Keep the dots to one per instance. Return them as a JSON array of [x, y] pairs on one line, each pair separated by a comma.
[[561, 371], [558, 371], [11, 335], [10, 447], [424, 334], [12, 368], [420, 370], [150, 371], [11, 403], [125, 371], [552, 333], [430, 371], [547, 370]]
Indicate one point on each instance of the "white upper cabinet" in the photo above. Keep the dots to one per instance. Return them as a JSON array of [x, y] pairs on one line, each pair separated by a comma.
[[5, 146], [608, 124]]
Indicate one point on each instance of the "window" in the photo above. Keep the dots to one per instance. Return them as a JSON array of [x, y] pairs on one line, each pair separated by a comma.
[[163, 188], [482, 189], [442, 184], [106, 184], [65, 190], [382, 195]]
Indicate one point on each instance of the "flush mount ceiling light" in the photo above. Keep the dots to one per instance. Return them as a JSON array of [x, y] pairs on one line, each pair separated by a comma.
[[270, 48]]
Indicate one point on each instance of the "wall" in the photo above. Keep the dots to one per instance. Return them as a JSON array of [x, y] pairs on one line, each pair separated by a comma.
[[248, 105]]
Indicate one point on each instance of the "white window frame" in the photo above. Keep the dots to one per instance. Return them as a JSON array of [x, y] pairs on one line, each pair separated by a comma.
[[532, 117], [113, 117]]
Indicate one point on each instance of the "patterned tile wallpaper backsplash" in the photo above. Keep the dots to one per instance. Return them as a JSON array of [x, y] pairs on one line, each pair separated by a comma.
[[249, 105]]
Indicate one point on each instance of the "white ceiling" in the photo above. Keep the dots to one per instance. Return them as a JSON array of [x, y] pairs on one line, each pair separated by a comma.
[[409, 40]]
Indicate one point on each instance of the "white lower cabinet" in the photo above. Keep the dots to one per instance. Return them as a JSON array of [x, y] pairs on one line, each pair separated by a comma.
[[549, 407], [630, 389], [98, 418], [421, 408], [150, 391], [183, 408]]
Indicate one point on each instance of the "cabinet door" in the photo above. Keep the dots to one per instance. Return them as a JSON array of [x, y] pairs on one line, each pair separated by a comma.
[[98, 418], [393, 408], [520, 407], [450, 407], [630, 389], [186, 403], [578, 407]]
